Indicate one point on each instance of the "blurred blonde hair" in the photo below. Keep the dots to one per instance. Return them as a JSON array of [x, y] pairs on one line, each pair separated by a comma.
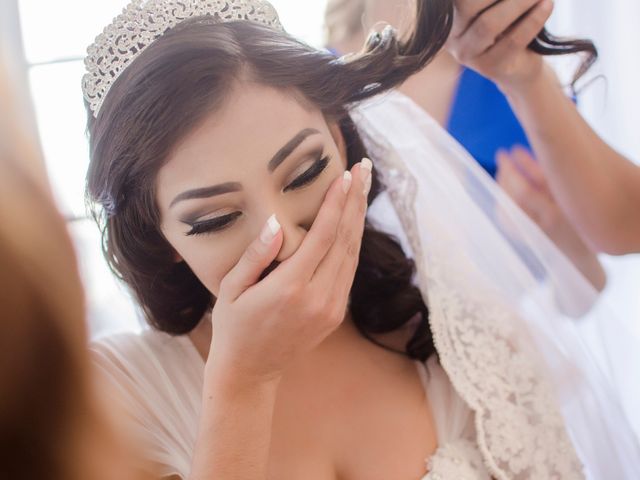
[[347, 22], [343, 20]]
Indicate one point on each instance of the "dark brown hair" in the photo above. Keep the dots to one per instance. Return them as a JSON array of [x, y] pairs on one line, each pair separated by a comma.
[[343, 21], [548, 44], [183, 76]]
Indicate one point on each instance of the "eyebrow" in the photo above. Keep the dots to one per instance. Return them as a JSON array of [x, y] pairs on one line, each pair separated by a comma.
[[207, 192], [289, 147], [278, 158]]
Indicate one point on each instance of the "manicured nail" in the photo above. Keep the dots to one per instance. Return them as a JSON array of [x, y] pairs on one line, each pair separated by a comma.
[[270, 230], [367, 185], [365, 170], [346, 181]]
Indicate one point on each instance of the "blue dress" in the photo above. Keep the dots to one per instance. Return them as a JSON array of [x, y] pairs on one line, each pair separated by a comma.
[[481, 119]]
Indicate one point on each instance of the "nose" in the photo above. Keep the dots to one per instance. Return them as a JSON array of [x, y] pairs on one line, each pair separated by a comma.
[[292, 223], [293, 235], [295, 221]]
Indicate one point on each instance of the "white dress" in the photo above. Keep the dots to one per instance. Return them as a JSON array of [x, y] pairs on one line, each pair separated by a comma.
[[158, 379]]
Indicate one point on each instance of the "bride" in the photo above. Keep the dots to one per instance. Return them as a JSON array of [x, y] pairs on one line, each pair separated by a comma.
[[293, 335]]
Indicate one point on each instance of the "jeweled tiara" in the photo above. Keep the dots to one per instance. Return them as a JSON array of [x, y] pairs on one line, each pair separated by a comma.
[[143, 21]]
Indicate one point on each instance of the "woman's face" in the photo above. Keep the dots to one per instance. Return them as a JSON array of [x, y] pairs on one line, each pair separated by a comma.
[[262, 153]]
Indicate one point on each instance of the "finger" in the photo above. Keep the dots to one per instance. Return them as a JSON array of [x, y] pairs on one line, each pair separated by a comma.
[[341, 288], [540, 204], [256, 258], [518, 187], [523, 33], [349, 237], [323, 232], [340, 291], [495, 22], [511, 180], [530, 167], [466, 11], [343, 281]]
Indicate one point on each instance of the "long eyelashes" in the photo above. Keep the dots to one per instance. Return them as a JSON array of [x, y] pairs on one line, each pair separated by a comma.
[[220, 223], [213, 225], [309, 175]]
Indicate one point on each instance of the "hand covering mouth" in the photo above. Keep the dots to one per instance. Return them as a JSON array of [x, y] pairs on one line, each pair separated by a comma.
[[269, 269]]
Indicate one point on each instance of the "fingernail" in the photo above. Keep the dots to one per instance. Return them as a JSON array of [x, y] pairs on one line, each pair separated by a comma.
[[270, 230], [367, 185], [365, 170], [346, 181]]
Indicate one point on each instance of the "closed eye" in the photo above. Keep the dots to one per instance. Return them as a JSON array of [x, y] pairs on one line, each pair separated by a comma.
[[214, 224], [309, 175], [222, 222]]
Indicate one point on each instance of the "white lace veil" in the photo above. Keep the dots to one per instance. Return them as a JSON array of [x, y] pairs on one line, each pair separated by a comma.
[[525, 339]]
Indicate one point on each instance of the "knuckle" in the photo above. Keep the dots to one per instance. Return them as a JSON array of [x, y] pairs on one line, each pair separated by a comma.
[[464, 10], [327, 238], [540, 16], [463, 57], [353, 249], [253, 254], [483, 30], [345, 234], [225, 286], [464, 53], [335, 317], [511, 42], [317, 308], [291, 292], [453, 46]]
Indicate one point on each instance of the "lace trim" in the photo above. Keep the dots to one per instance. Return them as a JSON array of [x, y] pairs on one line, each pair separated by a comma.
[[456, 460], [520, 431]]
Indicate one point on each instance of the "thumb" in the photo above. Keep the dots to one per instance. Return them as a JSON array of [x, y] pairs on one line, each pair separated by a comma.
[[255, 259]]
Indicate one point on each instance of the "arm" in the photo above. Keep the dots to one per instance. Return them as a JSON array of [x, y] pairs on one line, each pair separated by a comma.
[[596, 187], [235, 429], [262, 326], [523, 179]]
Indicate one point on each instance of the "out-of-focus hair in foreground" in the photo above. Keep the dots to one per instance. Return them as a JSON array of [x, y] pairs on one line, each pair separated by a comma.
[[51, 424]]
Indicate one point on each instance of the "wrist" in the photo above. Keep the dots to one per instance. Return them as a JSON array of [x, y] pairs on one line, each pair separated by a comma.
[[543, 79], [233, 384], [234, 428]]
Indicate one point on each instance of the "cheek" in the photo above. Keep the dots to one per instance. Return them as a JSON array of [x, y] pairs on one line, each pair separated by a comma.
[[308, 205], [210, 258]]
